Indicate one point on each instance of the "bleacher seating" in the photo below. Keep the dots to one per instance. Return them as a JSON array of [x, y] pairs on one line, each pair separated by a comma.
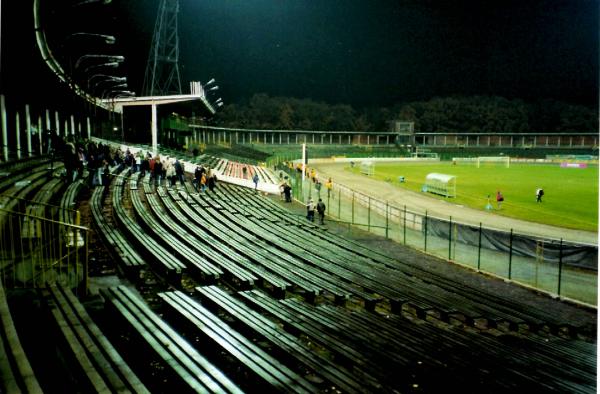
[[247, 296], [100, 367]]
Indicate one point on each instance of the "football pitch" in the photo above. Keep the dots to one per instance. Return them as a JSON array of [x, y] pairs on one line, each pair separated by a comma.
[[570, 200]]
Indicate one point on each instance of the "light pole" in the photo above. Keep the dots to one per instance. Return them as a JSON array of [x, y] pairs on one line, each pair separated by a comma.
[[111, 58], [124, 93], [112, 88], [92, 1], [108, 39], [108, 64], [106, 78]]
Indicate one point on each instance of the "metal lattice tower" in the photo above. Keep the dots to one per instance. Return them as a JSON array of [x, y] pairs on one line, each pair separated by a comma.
[[162, 70]]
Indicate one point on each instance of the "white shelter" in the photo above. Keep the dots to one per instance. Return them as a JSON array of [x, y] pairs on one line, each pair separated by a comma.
[[442, 184]]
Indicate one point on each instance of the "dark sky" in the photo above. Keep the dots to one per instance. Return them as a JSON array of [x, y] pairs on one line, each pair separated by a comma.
[[360, 52], [378, 52]]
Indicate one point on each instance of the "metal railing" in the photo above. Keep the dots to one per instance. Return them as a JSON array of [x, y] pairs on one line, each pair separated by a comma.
[[37, 250]]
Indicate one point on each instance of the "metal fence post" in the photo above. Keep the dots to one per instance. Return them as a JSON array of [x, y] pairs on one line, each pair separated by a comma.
[[560, 258], [405, 224], [352, 208], [510, 255], [424, 224], [479, 249], [340, 204], [369, 216], [387, 219], [450, 239]]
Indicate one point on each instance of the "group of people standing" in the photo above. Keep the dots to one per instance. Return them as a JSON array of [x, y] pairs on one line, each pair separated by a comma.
[[203, 178], [319, 207]]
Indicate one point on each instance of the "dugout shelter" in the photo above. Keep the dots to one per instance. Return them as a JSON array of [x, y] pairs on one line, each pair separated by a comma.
[[442, 184]]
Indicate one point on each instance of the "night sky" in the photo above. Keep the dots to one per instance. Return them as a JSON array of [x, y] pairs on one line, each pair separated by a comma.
[[376, 53], [367, 53]]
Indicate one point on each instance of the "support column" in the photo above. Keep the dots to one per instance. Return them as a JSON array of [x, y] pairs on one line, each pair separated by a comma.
[[28, 130], [330, 139], [303, 162], [56, 123], [154, 130], [237, 141], [39, 127], [4, 128], [48, 125], [18, 134], [66, 127], [279, 138], [89, 128], [72, 125], [273, 138], [313, 138]]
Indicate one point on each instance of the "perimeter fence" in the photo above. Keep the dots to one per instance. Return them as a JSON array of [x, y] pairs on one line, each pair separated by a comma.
[[565, 269]]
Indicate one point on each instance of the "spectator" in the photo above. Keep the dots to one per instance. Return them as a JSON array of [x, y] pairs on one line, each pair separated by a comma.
[[137, 164], [321, 210], [255, 180], [329, 187], [310, 210], [318, 187], [145, 166], [170, 172], [203, 182], [197, 178], [212, 181], [287, 191], [179, 171], [157, 171]]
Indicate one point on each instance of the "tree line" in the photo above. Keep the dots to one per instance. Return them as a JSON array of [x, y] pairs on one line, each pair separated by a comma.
[[473, 114]]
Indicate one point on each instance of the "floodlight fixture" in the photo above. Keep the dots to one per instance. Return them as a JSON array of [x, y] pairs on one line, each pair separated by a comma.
[[107, 38]]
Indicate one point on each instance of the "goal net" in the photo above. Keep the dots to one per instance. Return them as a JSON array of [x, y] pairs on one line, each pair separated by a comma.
[[367, 168], [494, 160]]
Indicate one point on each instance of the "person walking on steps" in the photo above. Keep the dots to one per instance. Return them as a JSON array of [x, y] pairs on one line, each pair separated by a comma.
[[321, 210], [255, 180], [310, 210]]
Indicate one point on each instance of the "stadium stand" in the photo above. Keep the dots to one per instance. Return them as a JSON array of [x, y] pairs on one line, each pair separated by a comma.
[[100, 367]]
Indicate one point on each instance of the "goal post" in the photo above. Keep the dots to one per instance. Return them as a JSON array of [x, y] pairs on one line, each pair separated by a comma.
[[367, 168], [503, 160]]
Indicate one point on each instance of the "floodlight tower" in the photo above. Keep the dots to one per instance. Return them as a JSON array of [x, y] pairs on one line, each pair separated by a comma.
[[162, 70]]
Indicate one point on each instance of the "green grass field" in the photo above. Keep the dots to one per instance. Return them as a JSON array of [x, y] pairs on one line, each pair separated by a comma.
[[570, 200]]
